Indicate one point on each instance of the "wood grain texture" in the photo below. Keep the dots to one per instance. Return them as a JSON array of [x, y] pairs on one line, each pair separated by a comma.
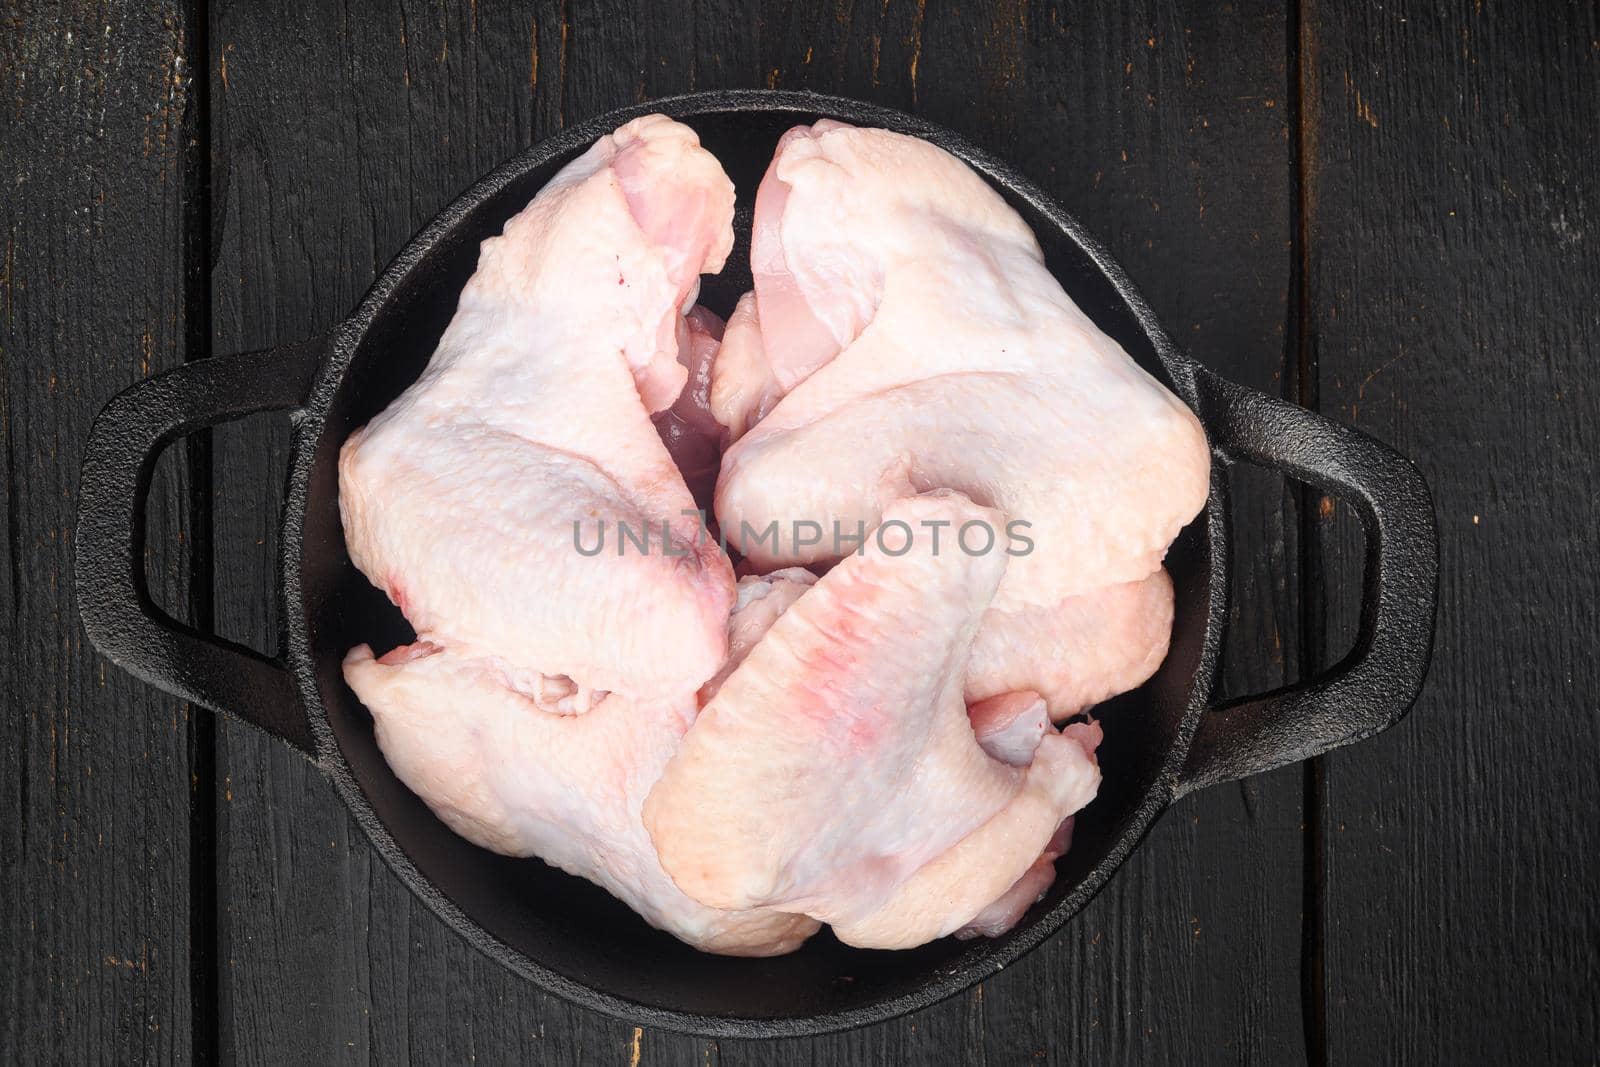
[[1438, 236], [1136, 121], [336, 136], [1456, 240], [334, 140], [171, 890], [97, 135]]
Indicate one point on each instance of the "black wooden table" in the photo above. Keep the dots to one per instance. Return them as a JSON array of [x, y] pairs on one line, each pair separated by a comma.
[[1387, 212]]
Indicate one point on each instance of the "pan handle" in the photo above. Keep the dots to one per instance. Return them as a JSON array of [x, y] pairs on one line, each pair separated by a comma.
[[1372, 687], [113, 598]]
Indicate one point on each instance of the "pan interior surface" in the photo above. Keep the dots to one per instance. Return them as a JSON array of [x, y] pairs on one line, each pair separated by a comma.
[[561, 930]]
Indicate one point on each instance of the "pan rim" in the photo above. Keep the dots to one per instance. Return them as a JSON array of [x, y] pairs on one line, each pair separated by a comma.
[[309, 424]]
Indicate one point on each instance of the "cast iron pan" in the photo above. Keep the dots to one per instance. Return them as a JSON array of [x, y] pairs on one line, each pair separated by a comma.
[[565, 935]]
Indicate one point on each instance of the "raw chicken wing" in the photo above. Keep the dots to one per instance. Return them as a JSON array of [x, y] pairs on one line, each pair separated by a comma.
[[509, 776], [836, 772], [549, 686], [906, 313], [467, 498]]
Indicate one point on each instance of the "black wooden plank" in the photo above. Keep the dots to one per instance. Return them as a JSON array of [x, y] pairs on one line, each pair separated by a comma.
[[1452, 283], [97, 131], [1166, 131], [337, 135], [334, 141], [326, 952]]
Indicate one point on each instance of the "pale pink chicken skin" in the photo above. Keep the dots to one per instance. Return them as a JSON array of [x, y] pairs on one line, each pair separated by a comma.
[[511, 777], [1009, 727], [548, 688], [920, 342], [1076, 653], [1006, 910], [836, 772], [761, 599], [503, 722], [460, 500], [1069, 656], [974, 888]]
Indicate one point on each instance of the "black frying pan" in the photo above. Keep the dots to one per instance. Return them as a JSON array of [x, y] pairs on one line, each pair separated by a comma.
[[1162, 741]]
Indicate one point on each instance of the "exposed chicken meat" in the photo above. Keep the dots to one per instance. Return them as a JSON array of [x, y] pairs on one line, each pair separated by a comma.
[[688, 428], [1009, 726], [836, 772], [907, 314]]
